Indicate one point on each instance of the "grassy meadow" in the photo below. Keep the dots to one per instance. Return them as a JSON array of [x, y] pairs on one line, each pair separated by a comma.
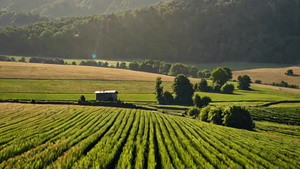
[[65, 136]]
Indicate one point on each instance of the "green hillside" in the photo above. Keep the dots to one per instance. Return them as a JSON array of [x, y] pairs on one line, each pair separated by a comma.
[[55, 136], [63, 8], [266, 31]]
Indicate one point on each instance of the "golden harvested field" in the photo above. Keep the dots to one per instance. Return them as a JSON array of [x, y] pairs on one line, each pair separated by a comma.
[[270, 75], [18, 70]]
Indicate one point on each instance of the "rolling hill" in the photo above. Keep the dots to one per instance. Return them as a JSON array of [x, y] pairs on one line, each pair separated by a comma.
[[63, 8]]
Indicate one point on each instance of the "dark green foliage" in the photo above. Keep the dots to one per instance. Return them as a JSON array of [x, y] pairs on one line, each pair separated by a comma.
[[183, 90], [168, 98], [215, 115], [74, 63], [238, 117], [194, 112], [289, 72], [221, 75], [46, 60], [204, 113], [254, 31], [123, 65], [22, 59], [179, 68], [285, 84], [133, 66], [193, 71], [244, 82], [32, 101], [159, 91], [198, 101], [118, 65], [164, 68], [227, 88], [257, 81], [105, 64], [203, 85], [82, 99], [217, 88], [205, 101]]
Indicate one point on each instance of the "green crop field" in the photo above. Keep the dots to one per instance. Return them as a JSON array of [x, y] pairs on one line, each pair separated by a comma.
[[60, 136]]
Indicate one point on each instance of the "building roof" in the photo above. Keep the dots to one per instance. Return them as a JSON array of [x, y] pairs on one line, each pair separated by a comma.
[[107, 91]]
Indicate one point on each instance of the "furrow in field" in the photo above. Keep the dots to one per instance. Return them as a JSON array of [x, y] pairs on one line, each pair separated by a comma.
[[163, 154], [109, 139], [142, 143], [187, 144], [20, 145], [50, 154], [174, 148], [128, 152], [87, 140]]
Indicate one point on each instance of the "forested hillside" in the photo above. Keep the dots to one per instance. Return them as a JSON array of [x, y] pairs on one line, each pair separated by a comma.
[[60, 8], [18, 18], [182, 30]]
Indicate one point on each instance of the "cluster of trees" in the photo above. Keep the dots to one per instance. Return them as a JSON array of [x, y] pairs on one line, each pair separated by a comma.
[[92, 63], [183, 90], [179, 31], [11, 59], [285, 84], [232, 116], [46, 60], [157, 66]]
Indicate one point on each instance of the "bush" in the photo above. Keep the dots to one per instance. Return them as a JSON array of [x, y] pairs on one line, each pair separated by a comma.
[[257, 81], [238, 117], [194, 112], [168, 98], [217, 88], [215, 115], [227, 88], [198, 101], [203, 85], [205, 100], [204, 113], [289, 72], [244, 82]]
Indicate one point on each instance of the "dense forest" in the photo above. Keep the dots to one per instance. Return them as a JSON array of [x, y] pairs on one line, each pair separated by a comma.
[[19, 19], [61, 8], [178, 31]]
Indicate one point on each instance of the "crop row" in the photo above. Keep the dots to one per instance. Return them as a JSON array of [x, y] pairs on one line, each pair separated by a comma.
[[41, 136]]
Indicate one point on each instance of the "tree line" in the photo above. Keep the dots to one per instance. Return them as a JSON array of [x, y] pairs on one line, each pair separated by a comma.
[[179, 31]]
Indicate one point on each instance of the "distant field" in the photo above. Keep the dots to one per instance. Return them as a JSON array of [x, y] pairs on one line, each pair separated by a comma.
[[270, 75], [15, 70], [57, 136]]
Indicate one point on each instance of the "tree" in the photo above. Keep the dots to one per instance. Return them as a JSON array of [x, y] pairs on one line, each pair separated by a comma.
[[164, 68], [244, 82], [193, 71], [133, 66], [238, 117], [82, 99], [215, 115], [221, 75], [194, 112], [179, 68], [197, 101], [289, 72], [203, 85], [22, 59], [168, 98], [227, 88], [183, 89], [118, 65], [205, 101], [123, 65], [159, 91], [73, 63]]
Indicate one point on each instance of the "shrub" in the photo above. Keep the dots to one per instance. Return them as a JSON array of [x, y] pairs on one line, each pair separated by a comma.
[[82, 99], [215, 115], [289, 72], [244, 82], [205, 100], [194, 112], [198, 101], [203, 85], [227, 88], [73, 63], [238, 117], [204, 113], [168, 98], [257, 81], [33, 101], [217, 88]]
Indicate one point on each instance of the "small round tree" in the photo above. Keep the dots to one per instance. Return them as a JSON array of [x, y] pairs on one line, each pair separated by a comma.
[[227, 88], [244, 82], [194, 112], [183, 89], [289, 72], [168, 98], [238, 117], [198, 101], [203, 85], [205, 100]]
